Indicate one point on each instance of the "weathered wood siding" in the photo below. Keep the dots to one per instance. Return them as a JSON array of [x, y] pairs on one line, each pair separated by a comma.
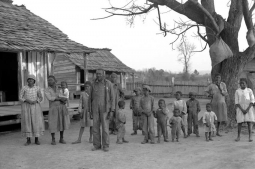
[[64, 70]]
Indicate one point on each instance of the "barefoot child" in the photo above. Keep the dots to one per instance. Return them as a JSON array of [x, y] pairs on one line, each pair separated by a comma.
[[135, 105], [120, 123], [209, 118], [176, 124], [64, 92], [181, 105], [147, 108], [161, 116], [84, 111], [193, 108], [244, 99]]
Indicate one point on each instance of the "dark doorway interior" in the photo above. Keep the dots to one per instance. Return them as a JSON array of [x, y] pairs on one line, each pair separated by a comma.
[[9, 76], [82, 79]]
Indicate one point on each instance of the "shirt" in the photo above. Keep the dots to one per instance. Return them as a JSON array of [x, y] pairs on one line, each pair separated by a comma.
[[147, 104], [64, 93], [31, 93], [181, 105]]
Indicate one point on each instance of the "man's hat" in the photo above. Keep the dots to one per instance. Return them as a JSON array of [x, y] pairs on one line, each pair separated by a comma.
[[137, 89], [147, 88]]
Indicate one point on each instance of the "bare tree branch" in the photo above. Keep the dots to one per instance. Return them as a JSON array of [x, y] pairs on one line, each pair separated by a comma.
[[129, 12], [247, 15]]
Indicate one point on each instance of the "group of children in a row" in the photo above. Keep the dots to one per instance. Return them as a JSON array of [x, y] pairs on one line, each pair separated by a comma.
[[185, 115]]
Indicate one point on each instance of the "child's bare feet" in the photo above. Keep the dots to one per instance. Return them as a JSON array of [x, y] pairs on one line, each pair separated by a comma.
[[177, 140], [237, 139], [172, 140], [165, 140], [197, 135], [125, 141], [210, 139], [118, 142], [90, 140], [76, 142]]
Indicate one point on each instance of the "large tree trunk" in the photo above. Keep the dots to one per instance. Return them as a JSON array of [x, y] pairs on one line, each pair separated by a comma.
[[230, 70]]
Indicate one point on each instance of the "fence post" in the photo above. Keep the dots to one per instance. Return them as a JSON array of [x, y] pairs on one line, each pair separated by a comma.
[[173, 89]]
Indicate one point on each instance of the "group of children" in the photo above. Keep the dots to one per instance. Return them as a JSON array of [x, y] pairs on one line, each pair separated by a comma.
[[185, 115]]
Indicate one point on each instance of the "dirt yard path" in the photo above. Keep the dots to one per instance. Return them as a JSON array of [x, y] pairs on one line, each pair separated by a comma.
[[189, 153]]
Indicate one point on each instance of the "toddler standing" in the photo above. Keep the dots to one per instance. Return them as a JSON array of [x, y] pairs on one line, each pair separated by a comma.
[[181, 105], [176, 124], [120, 123], [209, 118], [161, 115]]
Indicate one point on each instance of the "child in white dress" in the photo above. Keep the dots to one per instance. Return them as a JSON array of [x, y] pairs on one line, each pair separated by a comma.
[[209, 118], [244, 100]]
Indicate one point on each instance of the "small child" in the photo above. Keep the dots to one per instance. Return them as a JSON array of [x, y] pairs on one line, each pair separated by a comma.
[[120, 123], [135, 105], [147, 109], [181, 105], [64, 92], [85, 113], [209, 118], [161, 116], [193, 108], [176, 124]]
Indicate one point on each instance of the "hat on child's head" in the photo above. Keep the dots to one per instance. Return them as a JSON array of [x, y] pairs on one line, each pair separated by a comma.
[[137, 89], [100, 71], [31, 77], [192, 94], [113, 75], [147, 87]]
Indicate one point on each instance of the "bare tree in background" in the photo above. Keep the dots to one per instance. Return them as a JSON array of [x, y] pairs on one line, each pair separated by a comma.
[[185, 49], [202, 14]]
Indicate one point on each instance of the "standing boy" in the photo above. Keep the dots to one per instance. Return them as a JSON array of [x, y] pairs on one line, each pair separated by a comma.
[[135, 105], [193, 108], [161, 115], [147, 109], [120, 123]]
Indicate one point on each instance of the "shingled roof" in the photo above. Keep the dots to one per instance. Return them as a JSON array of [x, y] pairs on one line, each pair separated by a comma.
[[101, 58], [20, 29]]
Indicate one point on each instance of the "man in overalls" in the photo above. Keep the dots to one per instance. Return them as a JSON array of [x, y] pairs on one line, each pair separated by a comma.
[[102, 104]]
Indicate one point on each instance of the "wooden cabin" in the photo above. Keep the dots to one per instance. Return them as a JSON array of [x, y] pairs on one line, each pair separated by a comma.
[[28, 45], [70, 68]]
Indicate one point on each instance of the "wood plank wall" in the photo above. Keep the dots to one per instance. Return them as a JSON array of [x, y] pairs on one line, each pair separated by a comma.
[[64, 70]]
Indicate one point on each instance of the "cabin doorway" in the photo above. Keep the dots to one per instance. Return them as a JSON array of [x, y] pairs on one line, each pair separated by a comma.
[[9, 76], [82, 79]]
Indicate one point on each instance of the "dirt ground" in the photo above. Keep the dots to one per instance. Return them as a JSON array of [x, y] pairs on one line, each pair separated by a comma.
[[190, 153]]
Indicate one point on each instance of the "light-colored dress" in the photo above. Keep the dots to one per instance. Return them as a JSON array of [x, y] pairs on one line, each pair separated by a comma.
[[244, 98], [218, 100], [181, 105], [32, 122], [85, 110], [59, 119], [209, 118]]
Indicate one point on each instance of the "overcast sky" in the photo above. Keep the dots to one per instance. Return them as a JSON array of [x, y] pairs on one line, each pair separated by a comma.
[[139, 46]]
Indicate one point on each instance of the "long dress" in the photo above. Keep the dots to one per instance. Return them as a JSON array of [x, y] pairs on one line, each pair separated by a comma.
[[84, 108], [32, 124], [244, 98], [218, 102], [59, 119]]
